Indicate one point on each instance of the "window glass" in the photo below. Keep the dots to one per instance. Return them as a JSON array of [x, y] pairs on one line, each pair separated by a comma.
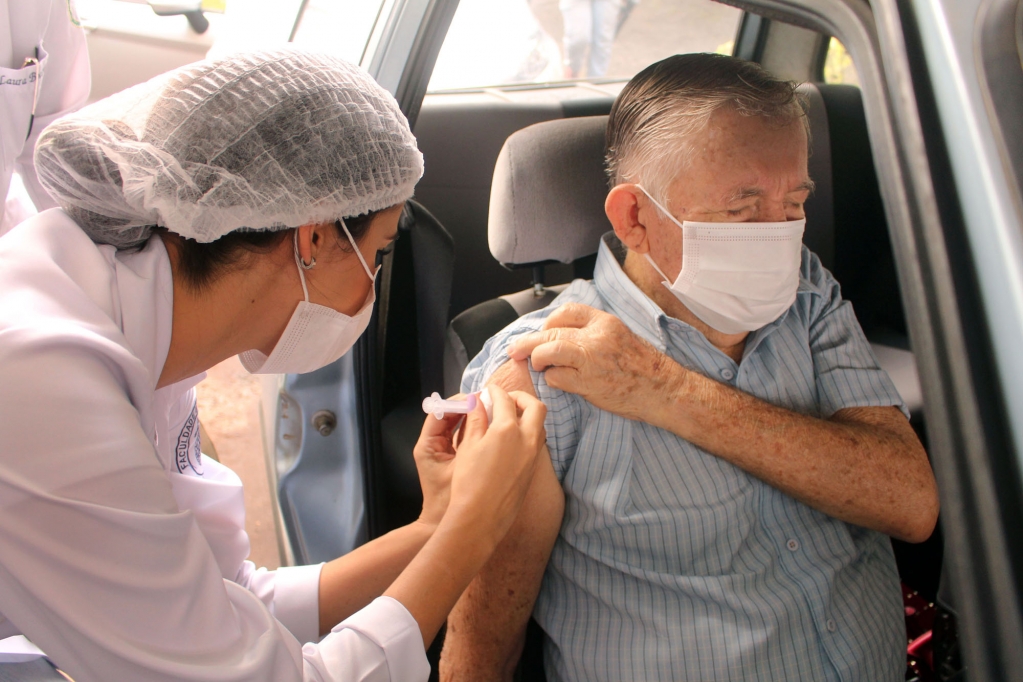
[[504, 42], [1019, 31], [338, 27], [216, 6], [129, 43], [838, 66]]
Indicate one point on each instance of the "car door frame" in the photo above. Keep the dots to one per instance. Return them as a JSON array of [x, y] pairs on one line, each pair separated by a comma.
[[967, 410]]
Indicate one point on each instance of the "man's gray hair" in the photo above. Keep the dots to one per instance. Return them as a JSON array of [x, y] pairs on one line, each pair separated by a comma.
[[654, 118]]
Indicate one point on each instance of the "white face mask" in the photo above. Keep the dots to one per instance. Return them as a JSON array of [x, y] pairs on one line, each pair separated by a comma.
[[316, 335], [736, 277]]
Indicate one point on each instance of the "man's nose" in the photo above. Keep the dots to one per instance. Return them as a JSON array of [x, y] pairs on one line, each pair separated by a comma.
[[772, 212]]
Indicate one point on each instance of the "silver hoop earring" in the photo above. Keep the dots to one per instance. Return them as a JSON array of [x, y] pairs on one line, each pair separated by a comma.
[[310, 266]]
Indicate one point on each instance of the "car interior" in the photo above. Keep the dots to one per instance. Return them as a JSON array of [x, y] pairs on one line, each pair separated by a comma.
[[518, 165]]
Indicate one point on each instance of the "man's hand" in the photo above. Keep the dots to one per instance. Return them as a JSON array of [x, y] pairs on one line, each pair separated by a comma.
[[864, 465], [594, 355]]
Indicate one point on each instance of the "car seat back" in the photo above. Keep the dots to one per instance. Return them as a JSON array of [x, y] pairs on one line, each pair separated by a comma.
[[412, 319]]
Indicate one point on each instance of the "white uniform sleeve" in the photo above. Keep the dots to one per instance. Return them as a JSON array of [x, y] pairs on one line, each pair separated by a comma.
[[379, 637], [100, 568], [292, 593]]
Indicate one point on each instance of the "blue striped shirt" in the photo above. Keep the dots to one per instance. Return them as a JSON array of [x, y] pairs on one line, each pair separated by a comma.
[[673, 564]]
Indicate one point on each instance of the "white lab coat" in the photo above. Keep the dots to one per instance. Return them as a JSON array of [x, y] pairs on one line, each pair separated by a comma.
[[63, 86], [122, 549]]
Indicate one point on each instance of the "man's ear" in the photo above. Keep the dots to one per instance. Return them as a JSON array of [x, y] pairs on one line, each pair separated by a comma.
[[622, 207]]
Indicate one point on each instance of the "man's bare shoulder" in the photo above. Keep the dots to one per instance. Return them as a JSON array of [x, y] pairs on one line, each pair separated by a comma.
[[513, 376], [491, 364]]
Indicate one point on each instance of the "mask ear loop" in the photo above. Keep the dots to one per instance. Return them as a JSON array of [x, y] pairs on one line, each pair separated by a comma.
[[302, 266], [667, 282], [298, 258], [658, 205], [369, 273]]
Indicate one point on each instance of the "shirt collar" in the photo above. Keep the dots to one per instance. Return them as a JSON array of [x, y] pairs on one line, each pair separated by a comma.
[[644, 317], [623, 298]]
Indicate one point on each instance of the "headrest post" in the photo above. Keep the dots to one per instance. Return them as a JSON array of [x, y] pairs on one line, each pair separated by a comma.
[[538, 286]]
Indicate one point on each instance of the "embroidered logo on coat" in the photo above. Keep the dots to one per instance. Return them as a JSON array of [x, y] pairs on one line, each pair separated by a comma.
[[188, 453]]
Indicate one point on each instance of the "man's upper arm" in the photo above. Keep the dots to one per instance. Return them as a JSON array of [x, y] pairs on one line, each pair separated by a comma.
[[493, 365], [846, 371]]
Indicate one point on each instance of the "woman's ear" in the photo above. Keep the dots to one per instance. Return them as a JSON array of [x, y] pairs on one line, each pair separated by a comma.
[[622, 207], [312, 238], [307, 243]]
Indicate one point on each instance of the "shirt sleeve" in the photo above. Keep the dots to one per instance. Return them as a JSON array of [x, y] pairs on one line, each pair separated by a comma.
[[101, 569], [562, 421], [846, 370]]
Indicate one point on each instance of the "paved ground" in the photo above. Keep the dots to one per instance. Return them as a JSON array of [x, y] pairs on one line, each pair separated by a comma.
[[229, 410]]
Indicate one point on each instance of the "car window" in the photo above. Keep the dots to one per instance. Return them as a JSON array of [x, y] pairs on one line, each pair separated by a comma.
[[156, 44], [339, 27], [838, 65], [507, 42]]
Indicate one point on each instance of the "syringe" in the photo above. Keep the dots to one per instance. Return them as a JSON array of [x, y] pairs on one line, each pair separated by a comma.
[[439, 407]]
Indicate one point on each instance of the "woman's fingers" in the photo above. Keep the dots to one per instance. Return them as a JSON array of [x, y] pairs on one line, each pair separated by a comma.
[[532, 413], [475, 425], [439, 427], [504, 409]]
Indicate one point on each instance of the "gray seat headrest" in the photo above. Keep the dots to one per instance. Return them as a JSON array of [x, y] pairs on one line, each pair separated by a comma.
[[547, 199], [820, 207]]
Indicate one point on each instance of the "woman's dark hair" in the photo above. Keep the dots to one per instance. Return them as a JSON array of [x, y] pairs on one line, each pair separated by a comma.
[[202, 264]]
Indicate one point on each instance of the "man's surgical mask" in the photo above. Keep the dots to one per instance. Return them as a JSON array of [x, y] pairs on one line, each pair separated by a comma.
[[316, 335], [736, 277]]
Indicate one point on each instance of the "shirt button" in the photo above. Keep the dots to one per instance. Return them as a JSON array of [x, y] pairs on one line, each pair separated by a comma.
[[727, 374], [832, 625], [793, 545]]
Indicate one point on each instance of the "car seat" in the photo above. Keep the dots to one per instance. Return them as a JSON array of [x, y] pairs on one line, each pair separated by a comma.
[[547, 205]]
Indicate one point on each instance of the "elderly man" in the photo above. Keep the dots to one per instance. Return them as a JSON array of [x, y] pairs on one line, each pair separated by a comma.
[[729, 456]]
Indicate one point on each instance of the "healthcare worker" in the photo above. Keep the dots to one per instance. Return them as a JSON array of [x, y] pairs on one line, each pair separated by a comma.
[[229, 207], [44, 74]]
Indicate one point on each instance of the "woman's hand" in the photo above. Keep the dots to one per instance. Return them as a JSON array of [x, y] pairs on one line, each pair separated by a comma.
[[489, 478], [494, 465], [435, 453]]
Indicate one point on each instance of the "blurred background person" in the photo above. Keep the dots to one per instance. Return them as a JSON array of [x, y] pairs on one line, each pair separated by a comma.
[[590, 29], [44, 74]]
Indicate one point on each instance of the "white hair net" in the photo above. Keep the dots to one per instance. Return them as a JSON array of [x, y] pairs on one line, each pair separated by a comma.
[[257, 141]]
